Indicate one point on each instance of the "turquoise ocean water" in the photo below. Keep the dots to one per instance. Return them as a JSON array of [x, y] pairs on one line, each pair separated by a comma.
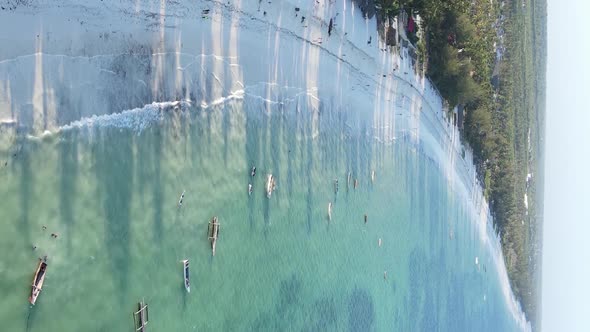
[[111, 194]]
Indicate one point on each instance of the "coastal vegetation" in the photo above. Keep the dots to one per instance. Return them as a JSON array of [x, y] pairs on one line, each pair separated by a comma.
[[489, 58]]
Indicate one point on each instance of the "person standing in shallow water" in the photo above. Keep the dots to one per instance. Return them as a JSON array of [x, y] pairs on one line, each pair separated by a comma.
[[181, 198]]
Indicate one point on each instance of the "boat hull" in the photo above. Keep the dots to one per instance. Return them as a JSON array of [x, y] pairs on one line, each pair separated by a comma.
[[38, 280], [269, 185], [214, 233], [185, 270]]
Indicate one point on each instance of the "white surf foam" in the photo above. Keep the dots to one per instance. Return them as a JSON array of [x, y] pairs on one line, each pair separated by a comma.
[[137, 119]]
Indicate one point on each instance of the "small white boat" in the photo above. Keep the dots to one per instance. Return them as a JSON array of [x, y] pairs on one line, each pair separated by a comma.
[[187, 284], [330, 211], [372, 176], [270, 185], [249, 189], [38, 280]]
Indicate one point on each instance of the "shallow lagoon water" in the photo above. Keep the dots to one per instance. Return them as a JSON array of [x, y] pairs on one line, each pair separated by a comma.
[[111, 194], [264, 90]]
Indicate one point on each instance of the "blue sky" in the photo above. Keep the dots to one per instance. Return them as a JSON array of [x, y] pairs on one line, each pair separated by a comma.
[[566, 234]]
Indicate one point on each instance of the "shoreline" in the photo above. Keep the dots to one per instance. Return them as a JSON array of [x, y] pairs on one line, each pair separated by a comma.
[[229, 72]]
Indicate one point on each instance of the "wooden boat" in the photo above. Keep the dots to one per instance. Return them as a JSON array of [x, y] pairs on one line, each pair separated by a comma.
[[270, 185], [213, 233], [141, 316], [38, 280], [187, 284]]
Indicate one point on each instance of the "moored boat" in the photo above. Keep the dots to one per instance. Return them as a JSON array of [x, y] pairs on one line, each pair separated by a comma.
[[187, 284], [270, 185], [141, 317], [213, 233], [38, 280]]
